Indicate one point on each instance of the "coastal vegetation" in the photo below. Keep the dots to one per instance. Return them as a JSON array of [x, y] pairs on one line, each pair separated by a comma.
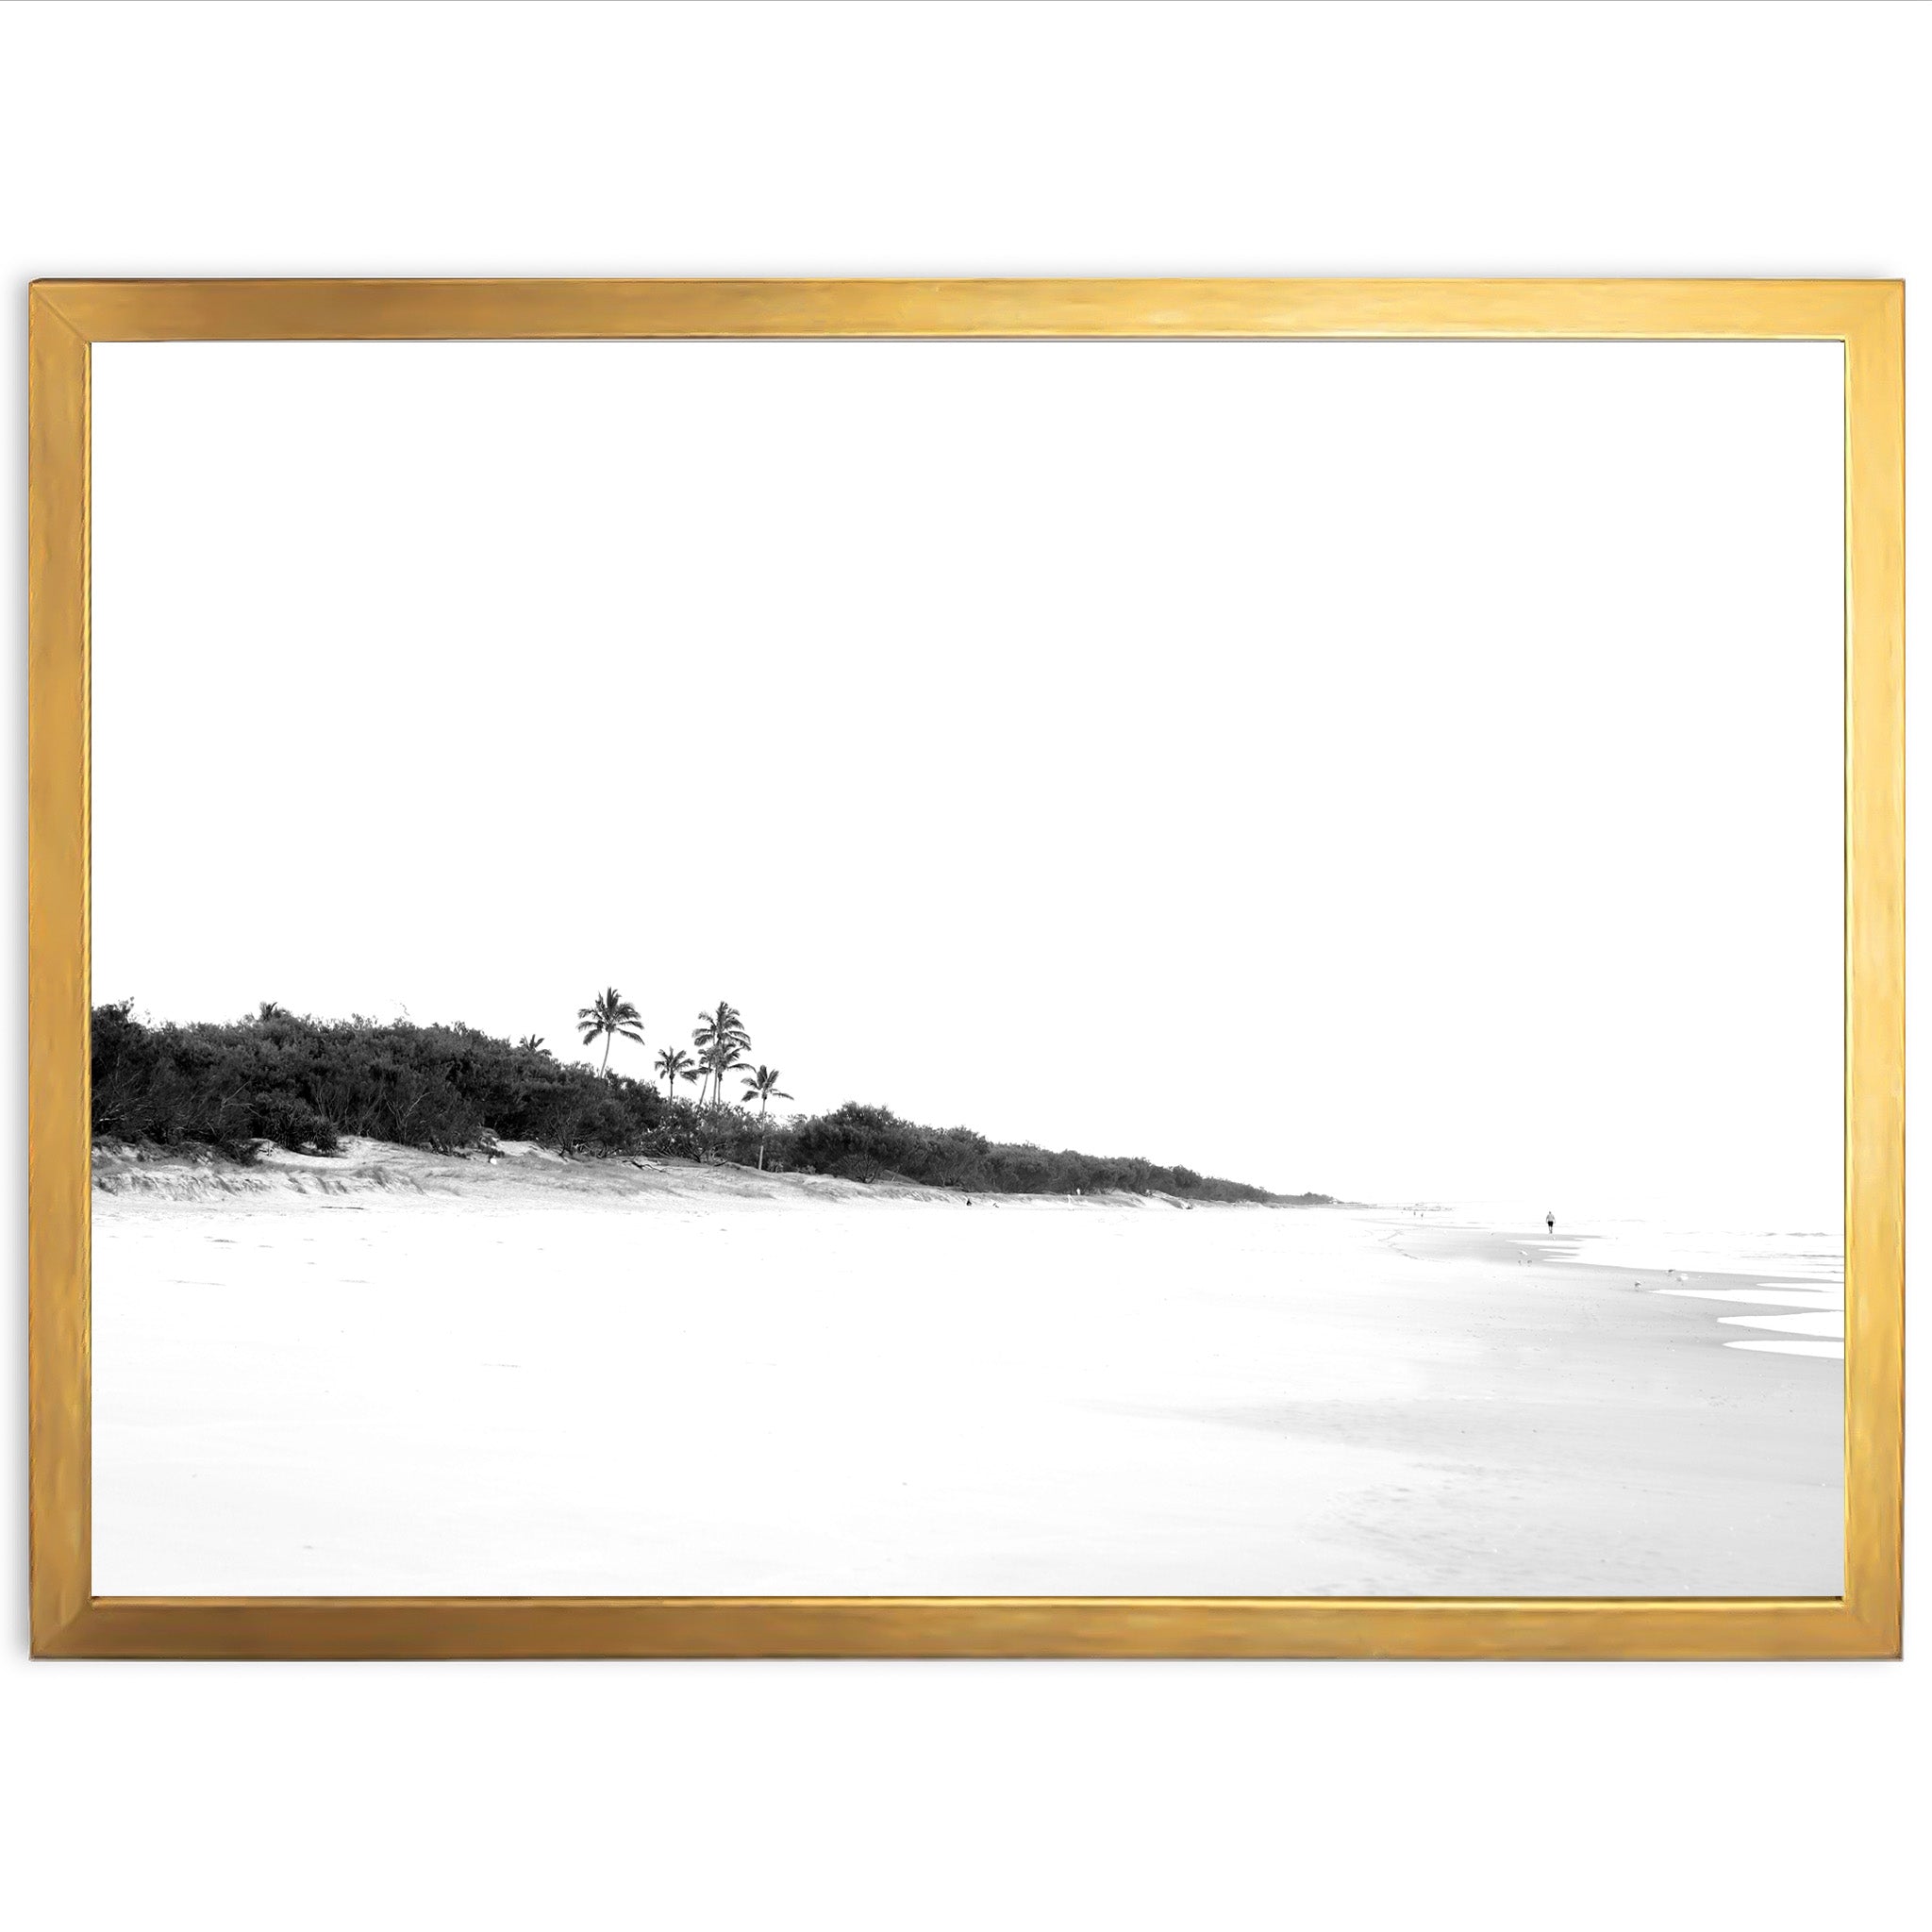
[[610, 1017], [281, 1080], [674, 1064], [721, 1043]]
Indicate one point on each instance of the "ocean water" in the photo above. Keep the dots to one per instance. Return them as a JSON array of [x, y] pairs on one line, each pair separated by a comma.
[[1786, 1285]]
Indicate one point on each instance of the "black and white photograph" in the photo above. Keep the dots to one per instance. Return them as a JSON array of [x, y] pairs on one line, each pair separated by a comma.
[[888, 968], [964, 964]]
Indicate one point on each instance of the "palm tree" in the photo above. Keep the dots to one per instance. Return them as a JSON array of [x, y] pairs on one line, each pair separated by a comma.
[[722, 1040], [674, 1064], [765, 1084], [716, 1061], [608, 1017], [531, 1042]]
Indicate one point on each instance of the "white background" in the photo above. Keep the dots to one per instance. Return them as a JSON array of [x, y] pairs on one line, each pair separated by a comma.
[[1738, 141], [1400, 771]]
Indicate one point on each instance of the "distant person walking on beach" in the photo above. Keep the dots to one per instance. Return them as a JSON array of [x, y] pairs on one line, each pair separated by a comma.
[[1551, 1220]]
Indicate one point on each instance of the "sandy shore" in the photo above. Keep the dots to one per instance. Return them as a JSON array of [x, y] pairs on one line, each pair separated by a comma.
[[521, 1175], [397, 1372]]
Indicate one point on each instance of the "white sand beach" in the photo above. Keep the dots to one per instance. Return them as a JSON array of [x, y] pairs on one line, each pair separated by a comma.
[[395, 1372]]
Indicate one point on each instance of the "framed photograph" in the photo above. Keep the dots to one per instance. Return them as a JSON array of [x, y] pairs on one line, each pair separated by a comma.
[[966, 968]]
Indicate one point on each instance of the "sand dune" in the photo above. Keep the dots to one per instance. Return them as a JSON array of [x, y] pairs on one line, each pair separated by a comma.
[[520, 1175]]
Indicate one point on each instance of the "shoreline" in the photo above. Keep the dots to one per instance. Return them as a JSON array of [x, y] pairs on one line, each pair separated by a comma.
[[1777, 1310]]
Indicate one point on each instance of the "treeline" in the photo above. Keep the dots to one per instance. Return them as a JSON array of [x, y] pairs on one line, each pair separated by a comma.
[[867, 1143], [303, 1084]]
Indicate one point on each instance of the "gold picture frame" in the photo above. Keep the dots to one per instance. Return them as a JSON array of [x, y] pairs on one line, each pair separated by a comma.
[[66, 318]]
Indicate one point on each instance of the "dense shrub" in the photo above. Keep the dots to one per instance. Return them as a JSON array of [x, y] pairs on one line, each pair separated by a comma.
[[303, 1084], [865, 1144]]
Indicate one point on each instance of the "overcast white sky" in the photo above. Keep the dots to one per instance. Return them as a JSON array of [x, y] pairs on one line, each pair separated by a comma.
[[1400, 770]]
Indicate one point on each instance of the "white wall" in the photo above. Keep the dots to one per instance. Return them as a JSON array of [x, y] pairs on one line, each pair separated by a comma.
[[1738, 140]]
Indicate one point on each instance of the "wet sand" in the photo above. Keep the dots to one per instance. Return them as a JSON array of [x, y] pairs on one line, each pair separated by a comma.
[[538, 1379]]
